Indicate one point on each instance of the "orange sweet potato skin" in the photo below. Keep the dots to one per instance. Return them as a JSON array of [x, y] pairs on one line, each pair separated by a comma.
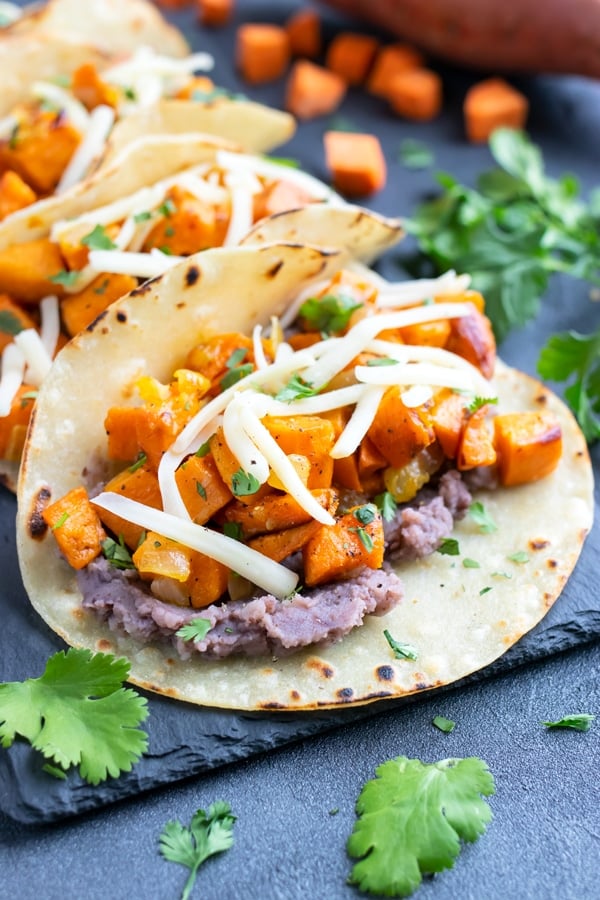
[[513, 36]]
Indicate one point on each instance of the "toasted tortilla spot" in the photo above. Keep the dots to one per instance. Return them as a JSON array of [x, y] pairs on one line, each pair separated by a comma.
[[272, 704], [422, 686], [541, 398], [36, 526], [104, 646], [385, 673], [121, 316], [551, 563], [319, 666], [192, 275], [144, 287], [99, 317], [539, 544], [78, 613], [345, 693], [272, 272], [294, 695]]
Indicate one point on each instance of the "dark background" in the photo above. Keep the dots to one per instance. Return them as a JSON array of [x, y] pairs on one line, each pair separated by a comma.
[[544, 840]]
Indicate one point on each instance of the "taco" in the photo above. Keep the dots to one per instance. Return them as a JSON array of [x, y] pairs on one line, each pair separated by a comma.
[[330, 465], [55, 38], [62, 132], [89, 260]]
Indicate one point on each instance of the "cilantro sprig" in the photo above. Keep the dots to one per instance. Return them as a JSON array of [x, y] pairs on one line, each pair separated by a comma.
[[512, 233], [328, 314], [574, 721], [412, 817], [98, 239], [77, 713], [575, 358], [210, 832]]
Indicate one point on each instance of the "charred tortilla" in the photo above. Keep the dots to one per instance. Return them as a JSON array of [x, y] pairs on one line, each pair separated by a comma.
[[457, 617]]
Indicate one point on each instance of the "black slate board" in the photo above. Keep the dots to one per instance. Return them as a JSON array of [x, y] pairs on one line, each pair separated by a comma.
[[185, 740]]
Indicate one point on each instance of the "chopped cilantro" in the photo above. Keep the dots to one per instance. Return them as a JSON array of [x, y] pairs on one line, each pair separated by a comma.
[[169, 231], [200, 489], [415, 154], [77, 714], [143, 216], [60, 522], [470, 563], [130, 94], [484, 590], [233, 530], [412, 818], [203, 449], [238, 356], [477, 402], [67, 279], [9, 323], [364, 537], [382, 361], [28, 395], [209, 833], [195, 630], [284, 161], [14, 137], [295, 389], [401, 651], [519, 557], [341, 123], [480, 515], [166, 250], [501, 575], [98, 239], [102, 288], [236, 374], [328, 314], [576, 721], [117, 553], [140, 461], [167, 208], [444, 724], [244, 483], [215, 93], [365, 514], [386, 504], [449, 547]]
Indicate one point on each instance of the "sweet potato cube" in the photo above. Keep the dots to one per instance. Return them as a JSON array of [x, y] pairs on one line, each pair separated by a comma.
[[191, 225], [312, 91], [350, 55], [428, 334], [227, 465], [262, 52], [356, 162], [492, 104], [162, 558], [529, 446], [207, 582], [304, 33], [40, 150], [476, 447], [76, 526], [141, 485], [416, 94], [277, 512], [210, 357], [346, 472], [281, 544], [399, 432], [91, 90], [202, 489], [121, 431], [278, 197], [13, 319], [310, 436], [14, 194], [370, 460], [447, 418], [195, 87], [79, 310], [26, 269], [474, 297], [214, 13], [390, 61], [337, 551], [13, 427], [472, 338]]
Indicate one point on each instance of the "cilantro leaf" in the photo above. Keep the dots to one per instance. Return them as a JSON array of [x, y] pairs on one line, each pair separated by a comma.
[[571, 356], [470, 563], [364, 537], [195, 630], [577, 722], [78, 714], [449, 547], [210, 832], [67, 279], [365, 514], [444, 724], [481, 516], [140, 460], [415, 154], [286, 161], [477, 402], [9, 323], [519, 557], [117, 553], [328, 314], [412, 818], [98, 239], [244, 483], [296, 388], [387, 506], [401, 651]]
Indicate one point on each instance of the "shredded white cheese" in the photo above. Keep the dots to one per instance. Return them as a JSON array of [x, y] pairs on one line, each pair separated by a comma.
[[408, 292], [13, 372], [49, 324], [141, 265], [36, 356], [57, 96], [359, 423], [90, 149]]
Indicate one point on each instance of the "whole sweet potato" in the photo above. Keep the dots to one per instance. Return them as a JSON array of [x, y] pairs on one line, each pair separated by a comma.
[[508, 36]]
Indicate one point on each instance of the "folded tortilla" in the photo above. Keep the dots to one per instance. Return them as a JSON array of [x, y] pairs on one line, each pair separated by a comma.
[[458, 619]]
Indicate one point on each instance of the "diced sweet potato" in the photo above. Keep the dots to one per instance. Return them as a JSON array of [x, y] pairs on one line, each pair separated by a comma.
[[91, 90], [279, 196], [529, 446], [227, 465], [390, 61], [262, 52], [370, 460], [356, 162], [277, 512], [281, 544], [429, 334], [350, 55], [14, 194], [79, 310], [398, 431], [190, 225], [312, 91], [447, 418], [310, 436], [472, 338], [13, 318], [474, 297], [141, 485], [207, 581], [202, 489], [26, 270], [476, 447], [304, 33], [337, 551], [40, 150], [195, 87], [416, 94], [76, 527], [492, 104], [13, 427], [346, 472], [210, 357]]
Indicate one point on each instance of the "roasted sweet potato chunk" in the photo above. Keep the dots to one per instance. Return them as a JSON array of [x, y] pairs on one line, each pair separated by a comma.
[[529, 446], [476, 447], [277, 512], [141, 485], [202, 489], [472, 338], [76, 527], [79, 310], [310, 436], [337, 551], [399, 432]]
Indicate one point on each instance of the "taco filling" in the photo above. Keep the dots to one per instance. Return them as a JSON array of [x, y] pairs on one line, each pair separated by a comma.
[[261, 495]]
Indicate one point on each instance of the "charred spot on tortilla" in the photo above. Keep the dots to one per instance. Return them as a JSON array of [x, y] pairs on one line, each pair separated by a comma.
[[552, 563], [272, 272], [121, 316], [539, 544], [294, 695], [192, 275], [385, 673], [144, 287], [541, 398], [272, 704], [345, 694], [36, 526], [321, 667], [422, 686], [104, 646], [92, 326]]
